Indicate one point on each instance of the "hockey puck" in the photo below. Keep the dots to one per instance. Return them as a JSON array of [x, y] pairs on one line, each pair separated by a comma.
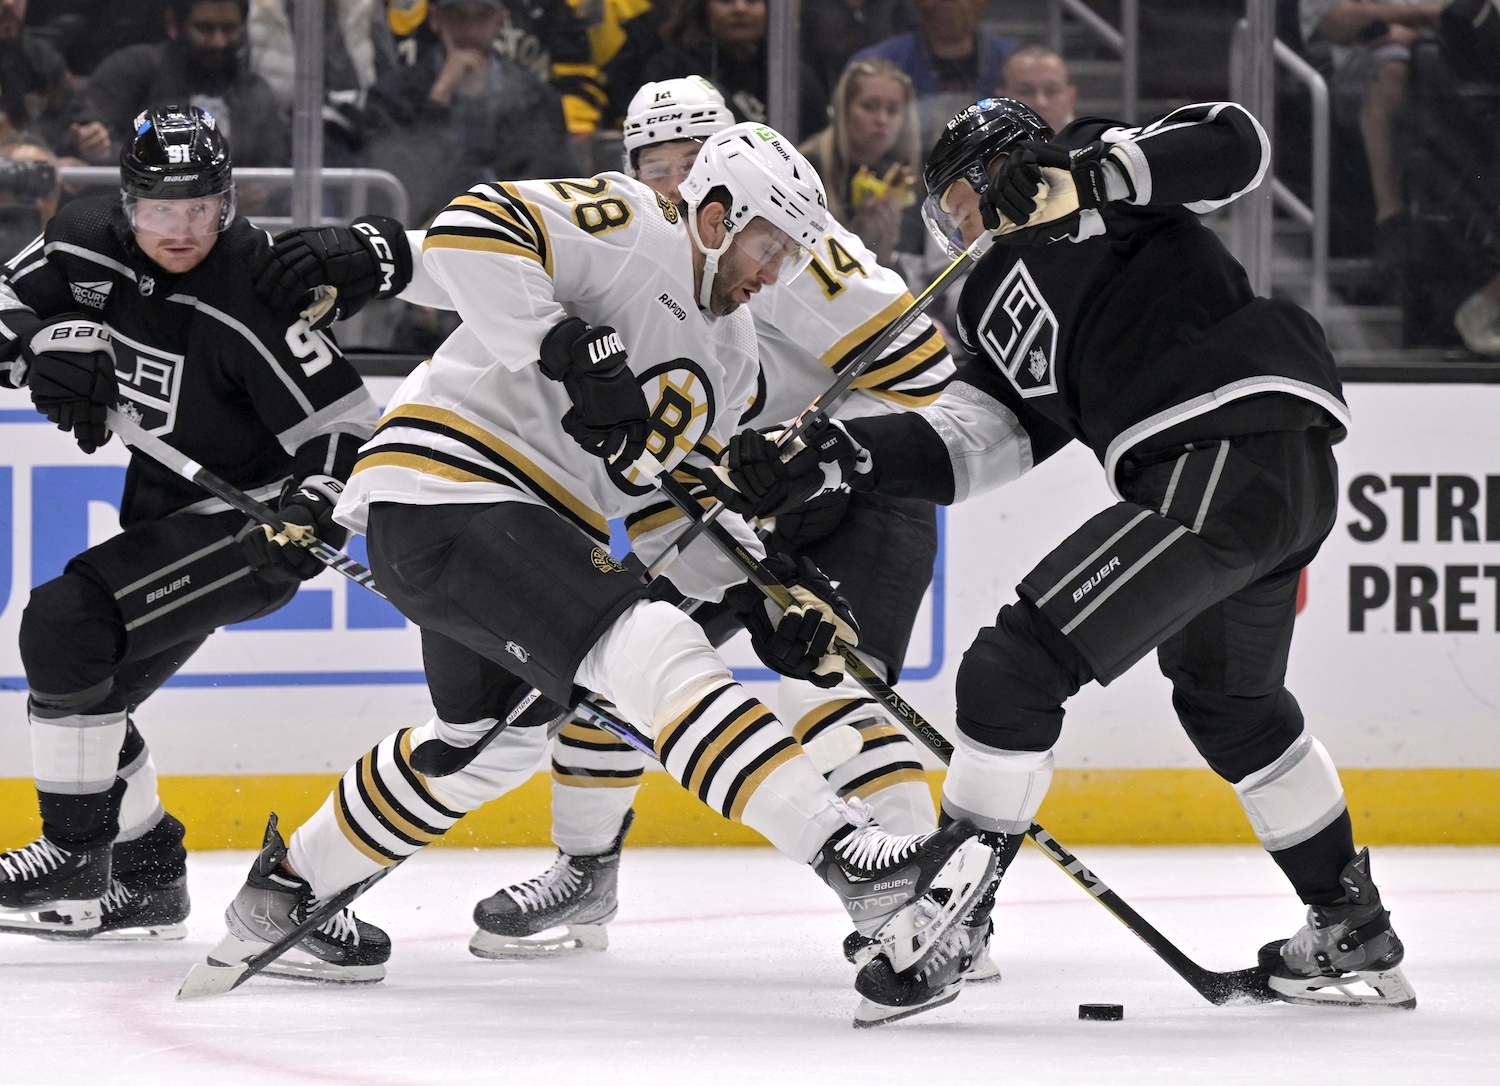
[[1101, 1012]]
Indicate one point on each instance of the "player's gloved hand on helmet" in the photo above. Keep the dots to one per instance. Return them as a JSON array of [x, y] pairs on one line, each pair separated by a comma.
[[305, 507], [752, 478], [70, 367], [1042, 188], [610, 417], [367, 259], [798, 642]]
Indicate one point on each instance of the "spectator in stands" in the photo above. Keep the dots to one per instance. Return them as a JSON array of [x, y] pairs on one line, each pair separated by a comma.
[[868, 157], [87, 31], [544, 37], [834, 30], [461, 113], [200, 62], [1371, 47], [725, 41], [29, 195], [951, 59], [623, 35], [36, 91], [350, 55], [1038, 77]]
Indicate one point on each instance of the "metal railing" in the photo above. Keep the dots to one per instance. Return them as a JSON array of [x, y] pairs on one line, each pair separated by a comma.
[[358, 184], [1314, 216], [1124, 40]]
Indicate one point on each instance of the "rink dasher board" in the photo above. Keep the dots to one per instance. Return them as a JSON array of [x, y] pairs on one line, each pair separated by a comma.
[[1392, 662]]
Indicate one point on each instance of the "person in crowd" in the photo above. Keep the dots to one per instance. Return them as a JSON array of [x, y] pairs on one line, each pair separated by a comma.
[[547, 38], [200, 62], [461, 112], [725, 42], [351, 56], [36, 91], [29, 191], [869, 156], [1371, 46], [1037, 76], [834, 30], [87, 31], [950, 58], [623, 35]]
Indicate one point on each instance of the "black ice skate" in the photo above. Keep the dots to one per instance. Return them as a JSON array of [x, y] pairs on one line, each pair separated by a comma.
[[147, 899], [561, 911], [45, 887], [1348, 955], [343, 950], [882, 878]]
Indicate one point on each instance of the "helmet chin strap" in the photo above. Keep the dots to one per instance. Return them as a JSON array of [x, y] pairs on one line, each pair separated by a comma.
[[711, 257]]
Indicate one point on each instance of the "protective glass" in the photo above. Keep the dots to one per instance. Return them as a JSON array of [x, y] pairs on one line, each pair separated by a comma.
[[944, 215], [667, 167], [774, 249], [197, 216]]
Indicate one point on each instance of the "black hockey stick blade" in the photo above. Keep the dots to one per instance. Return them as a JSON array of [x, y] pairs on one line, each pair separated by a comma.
[[1240, 986], [208, 979]]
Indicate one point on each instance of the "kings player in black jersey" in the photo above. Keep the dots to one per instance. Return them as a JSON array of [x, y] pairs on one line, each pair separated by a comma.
[[1110, 315], [142, 302]]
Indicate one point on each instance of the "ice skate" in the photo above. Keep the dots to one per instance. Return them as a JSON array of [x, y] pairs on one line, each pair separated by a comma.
[[564, 910], [343, 950], [147, 899], [1348, 955], [882, 878], [45, 887]]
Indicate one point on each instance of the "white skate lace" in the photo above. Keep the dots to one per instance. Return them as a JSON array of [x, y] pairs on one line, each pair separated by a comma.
[[340, 927], [37, 858], [116, 897], [954, 942], [551, 887], [869, 847]]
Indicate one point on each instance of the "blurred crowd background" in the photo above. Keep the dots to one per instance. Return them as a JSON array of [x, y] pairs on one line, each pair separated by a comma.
[[442, 94]]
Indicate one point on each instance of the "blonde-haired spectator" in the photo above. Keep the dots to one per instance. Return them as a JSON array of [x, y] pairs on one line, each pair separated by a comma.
[[1038, 77], [870, 154]]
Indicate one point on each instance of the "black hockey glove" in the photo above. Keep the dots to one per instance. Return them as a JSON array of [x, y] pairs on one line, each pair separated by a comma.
[[798, 643], [610, 417], [752, 478], [304, 508], [70, 366], [365, 260], [1042, 189]]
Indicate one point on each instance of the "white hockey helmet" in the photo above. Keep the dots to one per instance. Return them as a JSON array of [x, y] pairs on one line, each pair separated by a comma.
[[766, 178], [690, 108]]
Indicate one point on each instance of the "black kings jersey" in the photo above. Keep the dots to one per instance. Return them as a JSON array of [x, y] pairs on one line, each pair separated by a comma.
[[253, 395], [1141, 328]]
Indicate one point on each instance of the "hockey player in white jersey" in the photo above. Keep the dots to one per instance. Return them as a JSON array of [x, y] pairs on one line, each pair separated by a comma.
[[592, 302]]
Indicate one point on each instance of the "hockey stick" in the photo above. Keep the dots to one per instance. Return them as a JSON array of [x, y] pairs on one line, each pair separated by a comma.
[[207, 979], [433, 758], [852, 372], [1248, 985]]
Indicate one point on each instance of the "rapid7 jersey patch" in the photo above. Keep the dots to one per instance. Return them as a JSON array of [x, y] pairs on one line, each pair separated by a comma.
[[1019, 332]]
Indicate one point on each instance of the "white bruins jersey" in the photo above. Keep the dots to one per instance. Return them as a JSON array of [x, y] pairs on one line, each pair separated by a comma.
[[812, 328], [480, 422]]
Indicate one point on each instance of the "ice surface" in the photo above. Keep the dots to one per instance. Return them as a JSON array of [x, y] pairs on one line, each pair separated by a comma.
[[724, 967]]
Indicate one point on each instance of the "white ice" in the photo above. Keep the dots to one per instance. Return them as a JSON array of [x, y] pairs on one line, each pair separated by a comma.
[[724, 967]]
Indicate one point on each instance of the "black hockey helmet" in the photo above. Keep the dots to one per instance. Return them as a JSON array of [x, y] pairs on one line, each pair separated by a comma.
[[969, 142], [177, 153]]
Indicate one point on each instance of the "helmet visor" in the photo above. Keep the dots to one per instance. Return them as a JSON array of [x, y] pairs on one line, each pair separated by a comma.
[[953, 214], [774, 249], [195, 216]]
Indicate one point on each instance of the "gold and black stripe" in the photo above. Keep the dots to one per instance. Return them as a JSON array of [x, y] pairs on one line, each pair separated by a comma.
[[516, 226]]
